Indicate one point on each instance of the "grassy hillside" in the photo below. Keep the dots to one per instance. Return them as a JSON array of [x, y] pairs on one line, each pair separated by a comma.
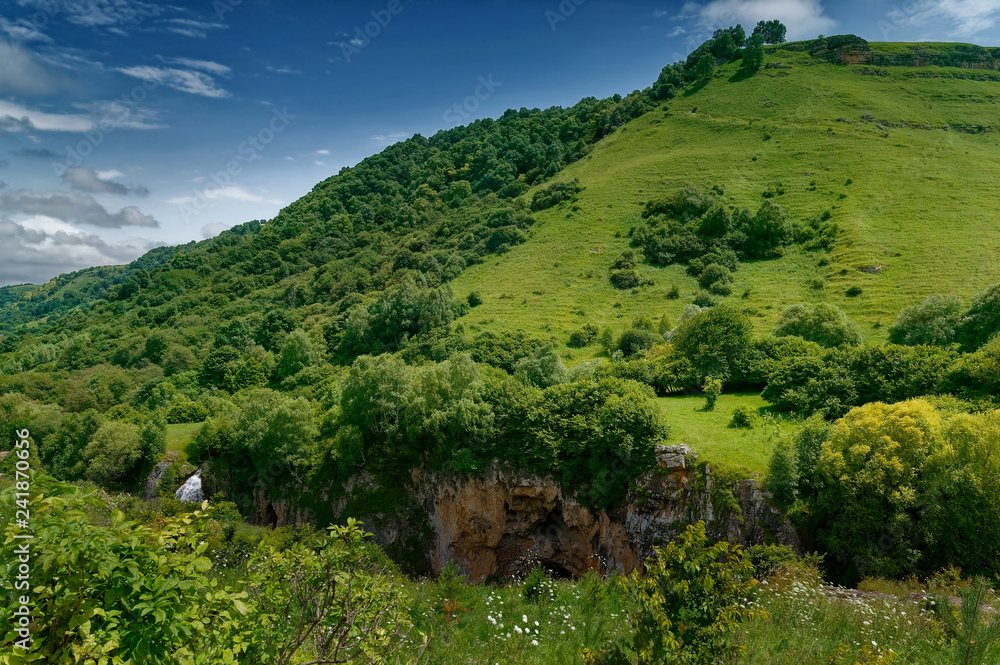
[[919, 211]]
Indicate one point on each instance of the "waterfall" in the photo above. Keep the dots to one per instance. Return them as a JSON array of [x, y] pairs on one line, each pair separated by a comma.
[[191, 489]]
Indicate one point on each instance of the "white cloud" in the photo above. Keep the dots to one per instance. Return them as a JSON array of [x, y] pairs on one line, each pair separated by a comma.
[[25, 119], [803, 18], [950, 19], [108, 14], [322, 152], [196, 83], [18, 118], [39, 248], [283, 70], [23, 31], [204, 65], [212, 230], [125, 116], [189, 28], [231, 192], [71, 208], [383, 140], [677, 31], [85, 179], [21, 72]]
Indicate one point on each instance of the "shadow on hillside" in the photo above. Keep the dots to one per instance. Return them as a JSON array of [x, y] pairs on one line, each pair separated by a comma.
[[741, 75], [697, 87]]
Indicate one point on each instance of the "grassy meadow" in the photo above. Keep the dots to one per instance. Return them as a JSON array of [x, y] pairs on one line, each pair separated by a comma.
[[915, 201]]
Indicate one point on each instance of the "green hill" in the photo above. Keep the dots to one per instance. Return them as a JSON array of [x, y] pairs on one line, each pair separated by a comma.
[[499, 238], [918, 147]]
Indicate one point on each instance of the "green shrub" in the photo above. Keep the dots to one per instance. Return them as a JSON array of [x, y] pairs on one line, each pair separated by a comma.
[[982, 320], [782, 475], [555, 193], [636, 340], [186, 411], [714, 274], [853, 292], [825, 324], [474, 299], [685, 608], [933, 322], [714, 340], [543, 368], [581, 338], [743, 417], [712, 388], [704, 299], [624, 279]]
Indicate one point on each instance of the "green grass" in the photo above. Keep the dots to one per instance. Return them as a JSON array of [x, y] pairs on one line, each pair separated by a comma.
[[921, 203], [803, 625], [708, 432], [180, 435]]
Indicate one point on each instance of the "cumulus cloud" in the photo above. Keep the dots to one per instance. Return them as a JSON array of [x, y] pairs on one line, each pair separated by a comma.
[[185, 80], [72, 208], [803, 18], [87, 179], [36, 250]]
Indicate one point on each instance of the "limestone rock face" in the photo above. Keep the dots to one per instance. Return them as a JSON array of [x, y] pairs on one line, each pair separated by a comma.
[[153, 481], [504, 521]]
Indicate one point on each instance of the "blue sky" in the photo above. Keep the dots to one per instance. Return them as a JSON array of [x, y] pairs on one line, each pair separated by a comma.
[[126, 124]]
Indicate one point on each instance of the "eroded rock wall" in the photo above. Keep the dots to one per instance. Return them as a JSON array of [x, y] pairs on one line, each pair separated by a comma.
[[504, 521]]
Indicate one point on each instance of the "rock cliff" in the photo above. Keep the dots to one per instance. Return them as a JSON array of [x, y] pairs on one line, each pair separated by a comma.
[[853, 50], [504, 521]]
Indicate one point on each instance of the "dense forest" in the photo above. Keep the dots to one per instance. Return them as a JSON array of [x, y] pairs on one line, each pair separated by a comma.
[[290, 357]]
